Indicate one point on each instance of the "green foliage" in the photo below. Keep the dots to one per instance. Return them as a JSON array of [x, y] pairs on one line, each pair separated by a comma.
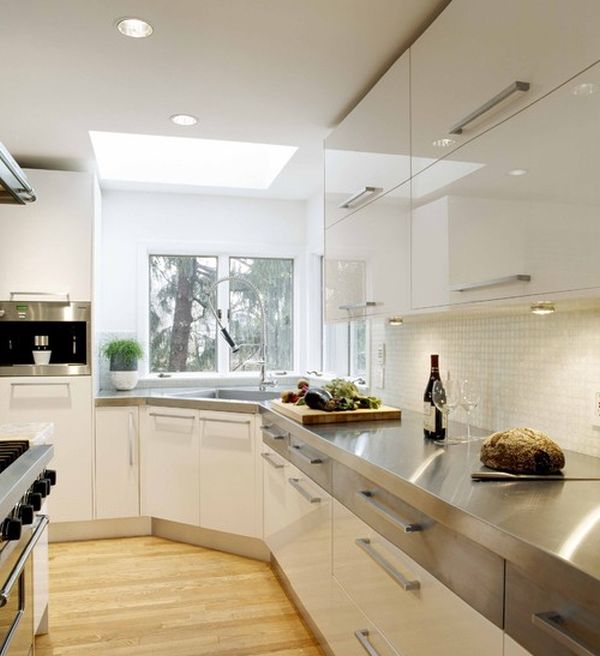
[[128, 350]]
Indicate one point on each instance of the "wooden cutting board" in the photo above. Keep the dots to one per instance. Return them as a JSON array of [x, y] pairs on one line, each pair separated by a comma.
[[304, 415]]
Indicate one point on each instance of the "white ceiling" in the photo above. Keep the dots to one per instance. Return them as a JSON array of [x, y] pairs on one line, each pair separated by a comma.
[[268, 71]]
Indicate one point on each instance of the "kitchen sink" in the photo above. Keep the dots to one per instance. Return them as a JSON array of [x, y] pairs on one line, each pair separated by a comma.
[[230, 394]]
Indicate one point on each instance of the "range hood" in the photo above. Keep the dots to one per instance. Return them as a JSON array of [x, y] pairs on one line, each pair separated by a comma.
[[14, 187]]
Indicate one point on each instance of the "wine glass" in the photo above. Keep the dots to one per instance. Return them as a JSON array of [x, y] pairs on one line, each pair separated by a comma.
[[446, 397], [470, 397]]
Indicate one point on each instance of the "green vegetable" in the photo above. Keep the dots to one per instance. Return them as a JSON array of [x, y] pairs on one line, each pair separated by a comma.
[[340, 388]]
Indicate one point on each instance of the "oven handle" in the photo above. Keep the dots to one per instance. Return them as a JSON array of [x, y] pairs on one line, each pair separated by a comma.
[[11, 632], [13, 577]]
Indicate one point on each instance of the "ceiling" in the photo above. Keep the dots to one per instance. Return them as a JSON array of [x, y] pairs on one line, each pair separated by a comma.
[[267, 71]]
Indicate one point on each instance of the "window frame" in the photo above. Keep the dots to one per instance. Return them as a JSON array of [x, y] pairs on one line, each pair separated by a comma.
[[222, 251]]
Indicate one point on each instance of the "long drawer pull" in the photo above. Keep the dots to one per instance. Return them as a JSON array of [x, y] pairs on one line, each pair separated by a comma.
[[363, 637], [490, 104], [551, 624], [407, 527], [243, 422], [388, 568], [269, 433], [268, 457], [506, 280], [295, 483], [167, 416], [297, 449], [369, 192]]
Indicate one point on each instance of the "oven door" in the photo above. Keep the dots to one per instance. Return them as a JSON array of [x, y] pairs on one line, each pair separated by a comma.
[[16, 593]]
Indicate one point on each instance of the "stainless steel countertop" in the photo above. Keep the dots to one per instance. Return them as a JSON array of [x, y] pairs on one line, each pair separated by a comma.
[[520, 521]]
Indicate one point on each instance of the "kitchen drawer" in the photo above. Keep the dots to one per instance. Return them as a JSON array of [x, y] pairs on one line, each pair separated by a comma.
[[273, 436], [548, 621], [414, 611], [472, 572], [313, 463], [477, 48]]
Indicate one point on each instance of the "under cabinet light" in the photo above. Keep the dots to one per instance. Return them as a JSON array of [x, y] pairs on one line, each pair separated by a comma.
[[136, 28], [395, 321], [543, 307], [184, 120]]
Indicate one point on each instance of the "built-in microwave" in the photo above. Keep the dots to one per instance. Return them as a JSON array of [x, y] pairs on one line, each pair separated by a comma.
[[48, 338]]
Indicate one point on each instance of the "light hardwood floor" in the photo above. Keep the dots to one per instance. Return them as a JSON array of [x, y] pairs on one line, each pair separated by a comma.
[[139, 596]]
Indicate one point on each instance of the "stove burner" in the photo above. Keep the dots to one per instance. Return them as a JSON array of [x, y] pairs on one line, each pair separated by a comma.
[[10, 450]]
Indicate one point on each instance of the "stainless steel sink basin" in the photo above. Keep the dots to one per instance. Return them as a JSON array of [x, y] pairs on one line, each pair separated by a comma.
[[230, 393]]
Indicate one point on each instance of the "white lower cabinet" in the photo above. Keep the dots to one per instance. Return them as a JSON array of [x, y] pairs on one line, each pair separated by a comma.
[[512, 648], [67, 402], [170, 463], [117, 462], [413, 610], [230, 484]]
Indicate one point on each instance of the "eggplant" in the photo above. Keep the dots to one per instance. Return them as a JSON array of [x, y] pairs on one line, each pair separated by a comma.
[[318, 398]]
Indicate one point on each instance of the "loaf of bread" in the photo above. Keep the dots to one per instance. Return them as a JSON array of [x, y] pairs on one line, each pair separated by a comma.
[[522, 451]]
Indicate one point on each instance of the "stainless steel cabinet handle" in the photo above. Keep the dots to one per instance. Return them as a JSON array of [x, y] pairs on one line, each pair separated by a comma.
[[297, 449], [295, 483], [273, 463], [274, 436], [503, 95], [66, 296], [506, 280], [244, 422], [20, 564], [363, 637], [41, 384], [167, 416], [551, 624], [388, 568], [407, 527], [365, 191], [358, 306], [130, 432]]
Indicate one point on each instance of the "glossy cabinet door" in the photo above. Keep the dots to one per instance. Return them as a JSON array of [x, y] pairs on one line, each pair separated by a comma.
[[514, 212], [117, 462], [67, 402], [276, 471], [170, 463], [412, 609], [229, 481], [46, 246], [478, 48], [512, 648], [367, 259], [369, 152]]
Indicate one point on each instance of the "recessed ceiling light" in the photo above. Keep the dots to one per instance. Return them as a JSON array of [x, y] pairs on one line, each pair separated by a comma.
[[184, 119], [517, 172], [444, 143], [585, 89], [155, 159], [543, 307], [395, 321], [136, 28]]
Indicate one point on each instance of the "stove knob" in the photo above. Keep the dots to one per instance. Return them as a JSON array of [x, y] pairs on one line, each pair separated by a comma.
[[50, 474], [26, 512], [35, 499], [11, 529], [47, 483], [40, 487]]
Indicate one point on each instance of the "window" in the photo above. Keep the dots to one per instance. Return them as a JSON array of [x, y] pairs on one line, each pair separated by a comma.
[[183, 330], [346, 347]]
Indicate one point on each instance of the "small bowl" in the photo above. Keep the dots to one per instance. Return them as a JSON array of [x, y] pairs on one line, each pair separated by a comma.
[[41, 357]]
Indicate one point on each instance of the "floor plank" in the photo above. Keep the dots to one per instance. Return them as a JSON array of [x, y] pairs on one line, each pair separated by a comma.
[[148, 595]]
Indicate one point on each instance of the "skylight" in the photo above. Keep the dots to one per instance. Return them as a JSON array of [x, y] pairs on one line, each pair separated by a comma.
[[147, 158]]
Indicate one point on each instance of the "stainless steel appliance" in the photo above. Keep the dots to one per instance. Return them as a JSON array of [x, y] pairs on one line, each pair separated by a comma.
[[14, 186], [61, 327], [24, 484]]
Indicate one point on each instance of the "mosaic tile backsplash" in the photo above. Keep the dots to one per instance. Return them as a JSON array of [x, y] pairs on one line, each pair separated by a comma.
[[537, 371]]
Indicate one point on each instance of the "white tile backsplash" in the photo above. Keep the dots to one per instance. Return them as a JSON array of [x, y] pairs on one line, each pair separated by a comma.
[[537, 371]]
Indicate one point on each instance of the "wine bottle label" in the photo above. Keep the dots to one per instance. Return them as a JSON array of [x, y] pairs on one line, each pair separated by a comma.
[[429, 417]]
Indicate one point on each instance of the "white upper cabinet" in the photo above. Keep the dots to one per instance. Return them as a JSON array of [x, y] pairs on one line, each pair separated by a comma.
[[476, 49], [515, 211], [369, 152], [367, 259], [46, 246]]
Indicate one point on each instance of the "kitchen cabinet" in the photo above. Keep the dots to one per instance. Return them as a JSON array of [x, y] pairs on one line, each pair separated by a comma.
[[67, 402], [170, 464], [368, 154], [512, 648], [367, 259], [518, 216], [230, 484], [476, 49], [400, 597], [46, 247], [117, 462]]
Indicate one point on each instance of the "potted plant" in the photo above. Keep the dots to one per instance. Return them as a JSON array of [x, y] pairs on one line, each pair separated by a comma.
[[123, 355]]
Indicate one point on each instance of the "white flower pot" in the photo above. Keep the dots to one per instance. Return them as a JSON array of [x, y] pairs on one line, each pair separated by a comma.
[[124, 380]]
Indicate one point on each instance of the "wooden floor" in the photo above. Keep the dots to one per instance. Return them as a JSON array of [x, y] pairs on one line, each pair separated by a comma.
[[138, 596]]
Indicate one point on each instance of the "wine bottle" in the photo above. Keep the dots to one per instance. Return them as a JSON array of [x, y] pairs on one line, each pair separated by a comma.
[[433, 421]]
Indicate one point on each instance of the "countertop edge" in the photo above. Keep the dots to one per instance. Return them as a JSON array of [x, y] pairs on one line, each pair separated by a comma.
[[220, 405]]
